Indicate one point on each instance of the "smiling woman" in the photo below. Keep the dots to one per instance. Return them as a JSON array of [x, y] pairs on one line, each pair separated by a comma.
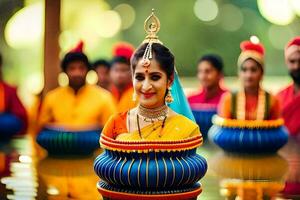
[[151, 150], [152, 119]]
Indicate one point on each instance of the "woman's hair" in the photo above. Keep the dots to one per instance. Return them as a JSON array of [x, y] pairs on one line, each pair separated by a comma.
[[160, 53], [215, 60]]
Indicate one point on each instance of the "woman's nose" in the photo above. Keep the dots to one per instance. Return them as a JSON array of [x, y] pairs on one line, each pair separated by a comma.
[[146, 85]]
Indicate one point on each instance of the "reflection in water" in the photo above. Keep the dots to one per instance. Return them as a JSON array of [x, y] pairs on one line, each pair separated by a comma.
[[292, 184], [250, 177], [17, 171], [23, 177], [69, 178]]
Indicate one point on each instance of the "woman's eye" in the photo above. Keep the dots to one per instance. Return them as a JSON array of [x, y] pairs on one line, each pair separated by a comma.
[[155, 77], [139, 78], [243, 69], [253, 70]]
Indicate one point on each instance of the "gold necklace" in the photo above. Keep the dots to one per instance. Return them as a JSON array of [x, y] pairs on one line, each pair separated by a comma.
[[154, 128], [241, 105], [153, 115]]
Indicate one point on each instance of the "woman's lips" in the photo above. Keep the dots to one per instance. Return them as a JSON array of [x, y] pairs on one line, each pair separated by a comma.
[[148, 95]]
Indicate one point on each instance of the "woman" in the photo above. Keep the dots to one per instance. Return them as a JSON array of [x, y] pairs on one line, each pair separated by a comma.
[[204, 103], [248, 120], [151, 150], [251, 102], [152, 119]]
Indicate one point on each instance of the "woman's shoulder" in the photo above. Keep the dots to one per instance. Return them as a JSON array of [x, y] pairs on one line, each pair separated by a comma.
[[182, 120], [115, 125], [186, 126]]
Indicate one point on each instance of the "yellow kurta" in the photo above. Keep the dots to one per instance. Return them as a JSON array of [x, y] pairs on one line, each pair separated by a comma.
[[91, 106]]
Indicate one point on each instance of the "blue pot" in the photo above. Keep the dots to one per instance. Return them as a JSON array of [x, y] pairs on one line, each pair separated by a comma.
[[10, 125], [60, 142], [150, 173], [204, 120], [249, 139]]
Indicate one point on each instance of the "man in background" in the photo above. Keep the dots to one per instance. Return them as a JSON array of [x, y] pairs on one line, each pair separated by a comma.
[[122, 88], [290, 96], [78, 105], [102, 68]]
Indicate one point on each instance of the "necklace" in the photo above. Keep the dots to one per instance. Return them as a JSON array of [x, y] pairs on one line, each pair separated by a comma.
[[154, 128], [241, 105], [153, 115]]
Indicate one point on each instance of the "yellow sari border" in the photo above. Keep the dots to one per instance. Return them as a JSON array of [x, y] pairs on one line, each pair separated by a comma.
[[150, 146], [236, 123]]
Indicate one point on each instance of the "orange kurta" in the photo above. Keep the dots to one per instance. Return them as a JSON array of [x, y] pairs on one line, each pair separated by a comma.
[[225, 109], [124, 100]]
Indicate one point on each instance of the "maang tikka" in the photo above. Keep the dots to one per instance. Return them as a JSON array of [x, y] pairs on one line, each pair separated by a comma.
[[152, 26]]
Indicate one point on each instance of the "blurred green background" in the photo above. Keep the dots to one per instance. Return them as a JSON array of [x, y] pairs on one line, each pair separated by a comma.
[[189, 28]]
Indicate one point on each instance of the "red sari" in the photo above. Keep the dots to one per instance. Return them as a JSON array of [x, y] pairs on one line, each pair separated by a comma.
[[204, 100], [10, 103]]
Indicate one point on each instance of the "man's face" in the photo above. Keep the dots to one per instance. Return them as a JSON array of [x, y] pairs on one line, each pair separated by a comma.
[[293, 61], [293, 64], [120, 74], [76, 72], [103, 75]]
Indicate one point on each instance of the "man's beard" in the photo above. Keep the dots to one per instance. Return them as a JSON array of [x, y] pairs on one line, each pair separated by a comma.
[[77, 84], [295, 74]]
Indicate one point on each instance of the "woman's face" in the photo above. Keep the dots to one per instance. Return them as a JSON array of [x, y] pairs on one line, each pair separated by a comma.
[[250, 74], [150, 84], [208, 75]]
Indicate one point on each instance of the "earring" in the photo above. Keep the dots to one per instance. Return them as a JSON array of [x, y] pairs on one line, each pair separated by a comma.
[[134, 96], [169, 99]]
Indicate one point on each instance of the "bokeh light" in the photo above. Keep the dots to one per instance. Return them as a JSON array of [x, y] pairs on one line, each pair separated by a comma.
[[206, 10], [279, 36], [63, 79], [92, 77], [25, 159], [127, 15], [25, 28], [52, 191], [279, 12], [231, 17], [90, 21], [296, 6], [109, 24], [67, 40], [254, 39], [34, 83]]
